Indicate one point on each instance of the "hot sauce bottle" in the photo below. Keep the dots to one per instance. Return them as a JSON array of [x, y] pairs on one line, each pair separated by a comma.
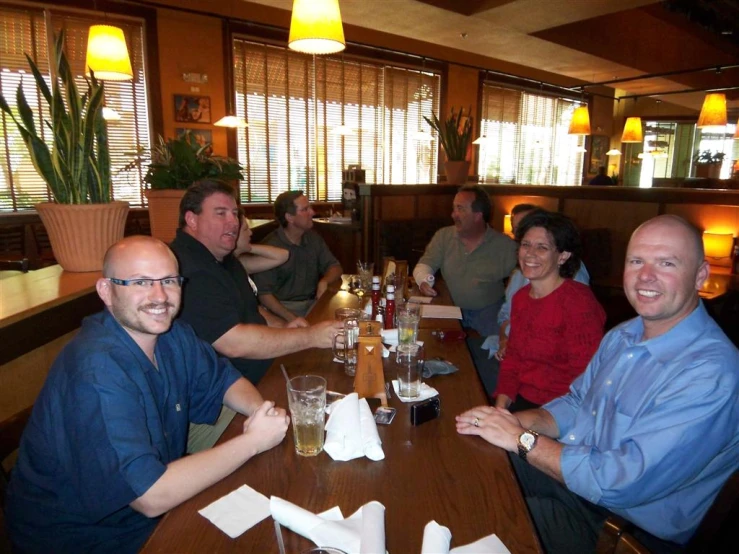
[[375, 295], [390, 307]]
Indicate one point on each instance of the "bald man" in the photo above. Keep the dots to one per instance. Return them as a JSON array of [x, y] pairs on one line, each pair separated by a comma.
[[650, 430], [102, 456]]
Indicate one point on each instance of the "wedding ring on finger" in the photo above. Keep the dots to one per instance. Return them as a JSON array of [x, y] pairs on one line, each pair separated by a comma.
[[476, 423]]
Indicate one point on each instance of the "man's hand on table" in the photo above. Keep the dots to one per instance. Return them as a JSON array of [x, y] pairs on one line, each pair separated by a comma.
[[496, 425], [267, 426], [427, 290]]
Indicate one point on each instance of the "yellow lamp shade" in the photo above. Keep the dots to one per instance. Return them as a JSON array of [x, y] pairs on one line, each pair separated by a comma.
[[580, 124], [713, 112], [507, 227], [315, 27], [718, 245], [107, 54], [632, 130]]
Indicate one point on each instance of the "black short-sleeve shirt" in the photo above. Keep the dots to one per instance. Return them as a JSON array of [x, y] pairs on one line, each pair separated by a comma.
[[216, 297]]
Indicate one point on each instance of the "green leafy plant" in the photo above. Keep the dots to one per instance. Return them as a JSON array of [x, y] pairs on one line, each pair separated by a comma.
[[708, 157], [76, 163], [455, 133], [178, 163]]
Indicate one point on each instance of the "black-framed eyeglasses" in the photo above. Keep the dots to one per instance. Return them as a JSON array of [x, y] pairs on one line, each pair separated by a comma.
[[174, 281]]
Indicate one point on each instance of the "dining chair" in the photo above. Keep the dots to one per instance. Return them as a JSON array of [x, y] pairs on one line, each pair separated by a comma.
[[717, 533]]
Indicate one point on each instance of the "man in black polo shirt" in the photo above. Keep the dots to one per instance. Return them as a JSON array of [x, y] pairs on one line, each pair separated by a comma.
[[218, 300]]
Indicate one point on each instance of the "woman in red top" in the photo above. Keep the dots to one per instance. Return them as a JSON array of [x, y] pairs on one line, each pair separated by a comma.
[[556, 323]]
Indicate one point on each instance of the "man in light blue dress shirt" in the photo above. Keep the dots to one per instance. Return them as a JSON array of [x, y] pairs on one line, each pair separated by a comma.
[[650, 431]]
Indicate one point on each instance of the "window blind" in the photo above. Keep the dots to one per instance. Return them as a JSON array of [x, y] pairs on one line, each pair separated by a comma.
[[525, 139], [309, 120], [26, 31]]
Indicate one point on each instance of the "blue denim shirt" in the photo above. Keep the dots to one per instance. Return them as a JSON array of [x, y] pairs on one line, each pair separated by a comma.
[[102, 431], [651, 429]]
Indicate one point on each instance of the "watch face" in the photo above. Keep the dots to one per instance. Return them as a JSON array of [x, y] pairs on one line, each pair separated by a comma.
[[527, 440]]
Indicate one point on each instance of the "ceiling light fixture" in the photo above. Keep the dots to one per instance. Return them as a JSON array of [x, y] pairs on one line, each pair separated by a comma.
[[232, 122], [580, 123], [315, 27], [107, 54], [613, 152], [713, 112], [632, 130]]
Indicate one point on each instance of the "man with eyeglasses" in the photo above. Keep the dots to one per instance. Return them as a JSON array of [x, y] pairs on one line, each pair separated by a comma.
[[102, 455]]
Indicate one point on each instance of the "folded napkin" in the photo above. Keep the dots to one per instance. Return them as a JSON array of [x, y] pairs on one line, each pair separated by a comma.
[[361, 533], [436, 539], [238, 511], [424, 392], [420, 299], [491, 343], [389, 336], [394, 348], [351, 431]]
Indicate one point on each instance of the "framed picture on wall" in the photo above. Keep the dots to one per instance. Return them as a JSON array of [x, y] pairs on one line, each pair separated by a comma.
[[191, 109], [598, 149], [202, 136]]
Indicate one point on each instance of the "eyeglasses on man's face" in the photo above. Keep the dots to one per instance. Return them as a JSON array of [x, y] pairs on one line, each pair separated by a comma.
[[174, 281]]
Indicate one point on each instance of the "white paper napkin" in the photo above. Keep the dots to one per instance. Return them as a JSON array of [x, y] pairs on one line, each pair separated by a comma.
[[421, 299], [389, 336], [394, 347], [238, 511], [351, 431], [361, 533], [424, 392], [436, 540]]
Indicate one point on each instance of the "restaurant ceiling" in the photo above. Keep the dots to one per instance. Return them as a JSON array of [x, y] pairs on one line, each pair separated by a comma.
[[575, 40]]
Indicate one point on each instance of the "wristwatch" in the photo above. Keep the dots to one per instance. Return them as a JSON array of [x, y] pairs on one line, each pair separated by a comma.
[[526, 443]]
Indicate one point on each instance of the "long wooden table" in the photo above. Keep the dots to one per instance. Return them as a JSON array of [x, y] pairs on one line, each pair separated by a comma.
[[429, 472]]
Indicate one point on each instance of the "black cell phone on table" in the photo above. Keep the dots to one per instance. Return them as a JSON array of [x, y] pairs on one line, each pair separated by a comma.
[[384, 415]]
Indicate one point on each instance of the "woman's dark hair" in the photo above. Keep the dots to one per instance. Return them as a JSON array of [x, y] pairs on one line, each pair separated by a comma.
[[564, 233]]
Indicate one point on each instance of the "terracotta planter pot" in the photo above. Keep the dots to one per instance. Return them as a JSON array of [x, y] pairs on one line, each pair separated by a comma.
[[164, 213], [80, 234], [708, 171], [456, 172]]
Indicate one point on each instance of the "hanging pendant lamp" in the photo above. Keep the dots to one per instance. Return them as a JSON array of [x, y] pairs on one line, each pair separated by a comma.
[[315, 27], [580, 123], [713, 112], [107, 54], [632, 130]]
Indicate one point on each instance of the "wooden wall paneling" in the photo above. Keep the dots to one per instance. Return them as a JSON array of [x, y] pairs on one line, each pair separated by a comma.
[[620, 217], [503, 204], [398, 207], [436, 206], [21, 379]]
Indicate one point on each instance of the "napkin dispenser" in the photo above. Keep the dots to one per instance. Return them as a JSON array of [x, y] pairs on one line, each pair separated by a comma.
[[369, 380]]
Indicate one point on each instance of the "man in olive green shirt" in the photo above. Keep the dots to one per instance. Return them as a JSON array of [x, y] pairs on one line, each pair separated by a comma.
[[473, 258]]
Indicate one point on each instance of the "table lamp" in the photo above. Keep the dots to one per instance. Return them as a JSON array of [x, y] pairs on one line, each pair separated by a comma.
[[718, 245]]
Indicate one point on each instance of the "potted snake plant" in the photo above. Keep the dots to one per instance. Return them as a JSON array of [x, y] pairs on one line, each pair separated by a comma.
[[455, 136], [83, 220]]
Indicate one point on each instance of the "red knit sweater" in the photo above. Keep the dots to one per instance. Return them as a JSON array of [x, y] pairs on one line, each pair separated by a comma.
[[551, 341]]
